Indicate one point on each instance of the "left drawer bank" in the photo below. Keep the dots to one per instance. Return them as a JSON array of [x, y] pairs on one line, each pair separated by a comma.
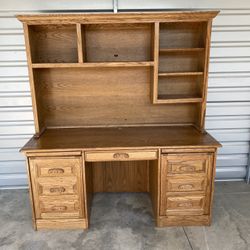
[[57, 190]]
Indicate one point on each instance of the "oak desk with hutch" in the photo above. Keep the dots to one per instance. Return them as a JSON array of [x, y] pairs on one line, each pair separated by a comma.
[[119, 104]]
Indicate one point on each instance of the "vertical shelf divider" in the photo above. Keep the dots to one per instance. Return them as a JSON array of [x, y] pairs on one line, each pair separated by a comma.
[[80, 42], [155, 57]]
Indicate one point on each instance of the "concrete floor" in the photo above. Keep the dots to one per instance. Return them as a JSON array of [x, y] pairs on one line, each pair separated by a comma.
[[124, 221]]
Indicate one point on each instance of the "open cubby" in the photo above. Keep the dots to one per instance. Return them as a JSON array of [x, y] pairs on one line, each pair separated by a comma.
[[180, 87], [53, 43], [181, 62], [117, 42], [183, 35]]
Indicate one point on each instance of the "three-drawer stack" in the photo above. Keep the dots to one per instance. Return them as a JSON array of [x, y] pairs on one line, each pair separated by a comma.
[[57, 189], [186, 184]]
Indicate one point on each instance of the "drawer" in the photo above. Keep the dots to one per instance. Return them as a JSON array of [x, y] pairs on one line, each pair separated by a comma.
[[57, 186], [187, 163], [55, 166], [121, 155], [185, 205], [186, 184], [58, 208]]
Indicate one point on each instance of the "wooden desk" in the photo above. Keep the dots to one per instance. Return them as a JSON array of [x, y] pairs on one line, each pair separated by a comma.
[[119, 104]]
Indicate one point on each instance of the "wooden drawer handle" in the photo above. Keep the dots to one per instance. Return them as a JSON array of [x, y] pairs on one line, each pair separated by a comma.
[[56, 171], [185, 204], [59, 208], [57, 190], [186, 186], [187, 168], [121, 156]]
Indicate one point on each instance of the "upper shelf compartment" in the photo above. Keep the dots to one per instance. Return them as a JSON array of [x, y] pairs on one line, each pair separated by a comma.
[[117, 42], [182, 35], [53, 43]]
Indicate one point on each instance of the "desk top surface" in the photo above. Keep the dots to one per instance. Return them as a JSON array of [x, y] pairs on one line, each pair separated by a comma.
[[122, 137]]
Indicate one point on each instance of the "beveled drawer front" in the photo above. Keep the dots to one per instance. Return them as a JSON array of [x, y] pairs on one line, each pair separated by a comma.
[[187, 163], [185, 205], [59, 208], [121, 155], [186, 184], [57, 186], [48, 167]]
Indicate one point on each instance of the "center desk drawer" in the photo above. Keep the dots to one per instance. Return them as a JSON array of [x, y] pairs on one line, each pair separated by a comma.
[[121, 155]]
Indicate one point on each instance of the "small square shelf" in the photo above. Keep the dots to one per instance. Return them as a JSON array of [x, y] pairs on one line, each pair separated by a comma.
[[182, 87], [183, 35], [181, 61], [53, 43]]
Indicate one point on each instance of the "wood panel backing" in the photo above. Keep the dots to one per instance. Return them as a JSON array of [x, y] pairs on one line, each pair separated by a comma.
[[187, 86], [104, 96], [121, 176], [53, 43], [182, 35], [118, 42]]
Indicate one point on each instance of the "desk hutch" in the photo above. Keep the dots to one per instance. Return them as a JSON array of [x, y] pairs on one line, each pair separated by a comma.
[[119, 104]]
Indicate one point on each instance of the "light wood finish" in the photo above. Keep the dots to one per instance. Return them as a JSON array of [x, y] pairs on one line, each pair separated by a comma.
[[186, 164], [191, 172], [124, 155], [155, 54], [181, 74], [119, 42], [146, 137], [188, 184], [154, 185], [57, 187], [174, 50], [96, 82], [92, 65], [183, 220], [88, 188], [135, 17], [61, 224], [207, 41], [36, 105], [31, 196], [125, 99], [80, 43], [185, 205], [120, 176]]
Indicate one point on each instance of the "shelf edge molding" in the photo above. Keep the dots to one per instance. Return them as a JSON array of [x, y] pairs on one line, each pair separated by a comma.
[[92, 64]]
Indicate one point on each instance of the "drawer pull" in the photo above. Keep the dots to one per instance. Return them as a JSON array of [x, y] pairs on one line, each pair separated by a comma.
[[187, 168], [186, 186], [185, 204], [56, 171], [59, 208], [57, 190], [121, 156]]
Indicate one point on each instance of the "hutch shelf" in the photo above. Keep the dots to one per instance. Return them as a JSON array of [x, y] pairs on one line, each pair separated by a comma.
[[119, 103]]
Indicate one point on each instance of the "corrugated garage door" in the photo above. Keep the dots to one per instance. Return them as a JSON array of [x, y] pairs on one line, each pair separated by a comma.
[[228, 112]]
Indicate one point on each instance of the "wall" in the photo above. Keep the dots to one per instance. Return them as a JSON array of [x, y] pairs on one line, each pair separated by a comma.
[[228, 112]]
